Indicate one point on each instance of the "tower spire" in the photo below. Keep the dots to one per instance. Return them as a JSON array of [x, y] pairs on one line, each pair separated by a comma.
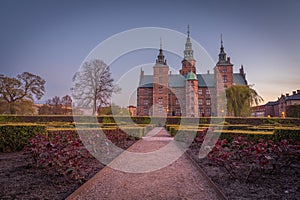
[[160, 45], [161, 58], [222, 55], [188, 51], [222, 40]]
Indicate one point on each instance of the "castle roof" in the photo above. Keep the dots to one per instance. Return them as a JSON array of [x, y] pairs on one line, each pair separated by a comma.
[[191, 76], [293, 97], [177, 80]]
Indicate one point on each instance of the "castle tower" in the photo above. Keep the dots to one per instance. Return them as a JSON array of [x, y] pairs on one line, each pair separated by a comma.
[[188, 63], [191, 95], [223, 73], [160, 85]]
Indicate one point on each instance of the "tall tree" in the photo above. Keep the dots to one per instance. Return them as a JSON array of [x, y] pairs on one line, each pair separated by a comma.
[[93, 85], [240, 98], [25, 86]]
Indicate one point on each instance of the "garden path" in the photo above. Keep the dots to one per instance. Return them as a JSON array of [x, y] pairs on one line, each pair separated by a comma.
[[178, 180]]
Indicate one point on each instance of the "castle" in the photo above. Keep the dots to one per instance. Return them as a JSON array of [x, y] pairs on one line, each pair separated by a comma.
[[187, 93]]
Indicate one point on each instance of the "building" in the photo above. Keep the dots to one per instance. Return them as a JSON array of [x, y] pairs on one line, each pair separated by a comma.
[[279, 108], [258, 111], [132, 110], [187, 93]]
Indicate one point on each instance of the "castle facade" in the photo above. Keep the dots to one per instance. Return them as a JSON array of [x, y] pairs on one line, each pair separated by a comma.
[[187, 93]]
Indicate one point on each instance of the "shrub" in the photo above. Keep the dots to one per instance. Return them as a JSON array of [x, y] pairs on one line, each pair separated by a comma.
[[61, 150], [64, 152], [14, 137], [242, 155]]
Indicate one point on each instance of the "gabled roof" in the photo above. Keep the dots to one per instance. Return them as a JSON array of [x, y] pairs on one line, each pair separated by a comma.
[[204, 80], [176, 80], [239, 79], [146, 81]]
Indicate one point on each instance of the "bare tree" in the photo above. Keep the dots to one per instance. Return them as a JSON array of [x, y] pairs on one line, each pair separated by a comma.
[[24, 86], [93, 85], [66, 103], [56, 106]]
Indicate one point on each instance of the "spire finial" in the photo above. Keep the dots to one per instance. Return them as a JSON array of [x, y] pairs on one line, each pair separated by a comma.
[[188, 32], [221, 40], [160, 43]]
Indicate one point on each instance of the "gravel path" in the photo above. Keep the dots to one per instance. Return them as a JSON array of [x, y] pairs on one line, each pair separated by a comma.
[[178, 180]]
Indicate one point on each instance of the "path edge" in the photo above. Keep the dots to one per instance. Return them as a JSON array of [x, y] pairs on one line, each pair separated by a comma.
[[220, 194]]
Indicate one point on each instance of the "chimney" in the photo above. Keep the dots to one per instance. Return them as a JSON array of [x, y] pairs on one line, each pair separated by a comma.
[[207, 71], [294, 92], [287, 94], [170, 72], [298, 91], [228, 59]]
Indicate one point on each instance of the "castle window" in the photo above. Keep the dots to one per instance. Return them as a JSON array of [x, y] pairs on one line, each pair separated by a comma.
[[160, 100], [207, 111], [145, 91], [208, 102], [224, 69], [160, 79], [177, 102], [201, 111], [200, 91], [200, 101], [145, 111], [160, 90], [160, 109], [177, 111], [225, 79], [145, 101], [207, 92]]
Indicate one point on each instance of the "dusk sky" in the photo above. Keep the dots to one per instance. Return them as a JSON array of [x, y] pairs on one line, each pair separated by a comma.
[[53, 38]]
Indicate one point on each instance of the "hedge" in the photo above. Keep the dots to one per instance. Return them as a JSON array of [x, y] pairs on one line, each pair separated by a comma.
[[276, 135], [147, 120], [15, 137]]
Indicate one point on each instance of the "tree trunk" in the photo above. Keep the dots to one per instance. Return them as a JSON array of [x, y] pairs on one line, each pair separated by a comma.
[[94, 106]]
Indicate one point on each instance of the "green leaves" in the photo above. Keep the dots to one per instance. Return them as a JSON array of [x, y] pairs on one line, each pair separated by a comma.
[[25, 86], [240, 98], [15, 137]]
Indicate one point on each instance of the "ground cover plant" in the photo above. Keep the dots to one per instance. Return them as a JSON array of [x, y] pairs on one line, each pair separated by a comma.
[[255, 166], [53, 158]]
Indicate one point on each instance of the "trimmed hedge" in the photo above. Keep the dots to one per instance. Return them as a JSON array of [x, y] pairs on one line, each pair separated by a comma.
[[15, 137], [147, 120], [271, 133]]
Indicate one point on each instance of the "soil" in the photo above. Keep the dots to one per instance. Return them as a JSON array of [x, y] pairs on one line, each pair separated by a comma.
[[283, 184], [20, 178]]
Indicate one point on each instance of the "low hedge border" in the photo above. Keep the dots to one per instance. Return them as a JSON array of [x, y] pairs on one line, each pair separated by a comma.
[[15, 137], [275, 134], [148, 120]]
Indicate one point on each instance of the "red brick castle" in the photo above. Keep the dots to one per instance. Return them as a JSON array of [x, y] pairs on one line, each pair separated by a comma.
[[187, 93]]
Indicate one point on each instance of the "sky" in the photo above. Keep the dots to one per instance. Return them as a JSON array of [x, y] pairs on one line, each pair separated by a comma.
[[53, 38]]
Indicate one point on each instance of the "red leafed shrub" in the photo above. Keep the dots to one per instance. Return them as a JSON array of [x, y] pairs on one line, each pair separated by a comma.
[[64, 152], [61, 150], [242, 155]]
